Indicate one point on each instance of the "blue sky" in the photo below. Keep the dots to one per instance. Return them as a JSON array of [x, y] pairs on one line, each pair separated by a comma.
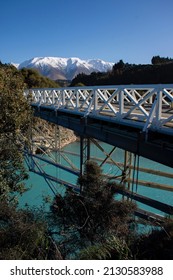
[[132, 30]]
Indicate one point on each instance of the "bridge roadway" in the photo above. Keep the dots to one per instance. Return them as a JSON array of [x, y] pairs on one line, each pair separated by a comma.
[[136, 118]]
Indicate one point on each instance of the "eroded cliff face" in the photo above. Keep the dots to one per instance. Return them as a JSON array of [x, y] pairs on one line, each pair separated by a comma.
[[49, 137]]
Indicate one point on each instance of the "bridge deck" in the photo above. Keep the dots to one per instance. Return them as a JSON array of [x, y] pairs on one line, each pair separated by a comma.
[[155, 146]]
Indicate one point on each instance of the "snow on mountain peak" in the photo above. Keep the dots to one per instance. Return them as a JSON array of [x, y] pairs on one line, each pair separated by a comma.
[[65, 68]]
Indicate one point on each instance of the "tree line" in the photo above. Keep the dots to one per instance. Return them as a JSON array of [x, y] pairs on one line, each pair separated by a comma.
[[160, 71]]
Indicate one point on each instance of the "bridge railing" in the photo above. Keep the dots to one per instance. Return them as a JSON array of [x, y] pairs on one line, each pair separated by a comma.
[[146, 106]]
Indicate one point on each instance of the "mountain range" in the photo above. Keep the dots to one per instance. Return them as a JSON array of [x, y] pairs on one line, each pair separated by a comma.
[[58, 68]]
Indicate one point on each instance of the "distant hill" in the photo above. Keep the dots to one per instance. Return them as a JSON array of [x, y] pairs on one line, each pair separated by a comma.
[[125, 73], [58, 68]]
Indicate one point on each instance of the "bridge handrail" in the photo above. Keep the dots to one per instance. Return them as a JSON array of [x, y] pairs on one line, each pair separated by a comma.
[[150, 106]]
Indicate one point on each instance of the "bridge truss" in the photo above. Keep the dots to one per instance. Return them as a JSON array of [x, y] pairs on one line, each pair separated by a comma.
[[146, 108], [125, 172]]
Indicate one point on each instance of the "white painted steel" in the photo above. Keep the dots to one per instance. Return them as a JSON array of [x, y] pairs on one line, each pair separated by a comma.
[[144, 106]]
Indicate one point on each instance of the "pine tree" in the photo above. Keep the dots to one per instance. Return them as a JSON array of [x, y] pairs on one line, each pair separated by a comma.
[[93, 215]]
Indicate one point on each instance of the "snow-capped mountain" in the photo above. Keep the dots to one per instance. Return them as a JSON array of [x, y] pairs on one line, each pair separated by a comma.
[[15, 64], [58, 68]]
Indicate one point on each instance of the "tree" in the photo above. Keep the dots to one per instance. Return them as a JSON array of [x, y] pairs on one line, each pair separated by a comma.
[[160, 60], [118, 67], [156, 245], [24, 235], [15, 118], [94, 215], [115, 248], [33, 79]]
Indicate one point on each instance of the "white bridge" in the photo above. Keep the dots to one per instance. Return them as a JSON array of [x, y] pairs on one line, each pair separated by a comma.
[[135, 118], [142, 106]]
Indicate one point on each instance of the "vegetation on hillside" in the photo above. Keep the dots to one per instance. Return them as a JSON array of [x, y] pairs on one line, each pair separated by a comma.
[[14, 119], [30, 77], [160, 71], [22, 234], [95, 225], [34, 80]]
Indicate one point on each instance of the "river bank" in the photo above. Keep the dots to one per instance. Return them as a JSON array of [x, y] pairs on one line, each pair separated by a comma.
[[49, 137]]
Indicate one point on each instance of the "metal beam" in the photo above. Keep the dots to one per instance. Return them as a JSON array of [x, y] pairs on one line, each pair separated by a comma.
[[84, 152], [145, 200], [56, 164], [155, 146]]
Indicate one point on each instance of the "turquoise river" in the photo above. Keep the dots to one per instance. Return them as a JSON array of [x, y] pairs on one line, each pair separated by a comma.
[[38, 188]]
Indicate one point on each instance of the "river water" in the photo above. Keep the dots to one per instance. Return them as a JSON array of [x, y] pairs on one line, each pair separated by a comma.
[[39, 190]]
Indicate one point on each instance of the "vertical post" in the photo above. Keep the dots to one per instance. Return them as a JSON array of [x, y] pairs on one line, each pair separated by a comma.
[[77, 99], [127, 169], [53, 97], [84, 153], [45, 96], [81, 155], [57, 149], [95, 96], [151, 99], [32, 166], [159, 107], [121, 102], [63, 97]]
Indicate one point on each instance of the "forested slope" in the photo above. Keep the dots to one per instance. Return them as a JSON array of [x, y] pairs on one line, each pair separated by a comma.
[[159, 72]]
